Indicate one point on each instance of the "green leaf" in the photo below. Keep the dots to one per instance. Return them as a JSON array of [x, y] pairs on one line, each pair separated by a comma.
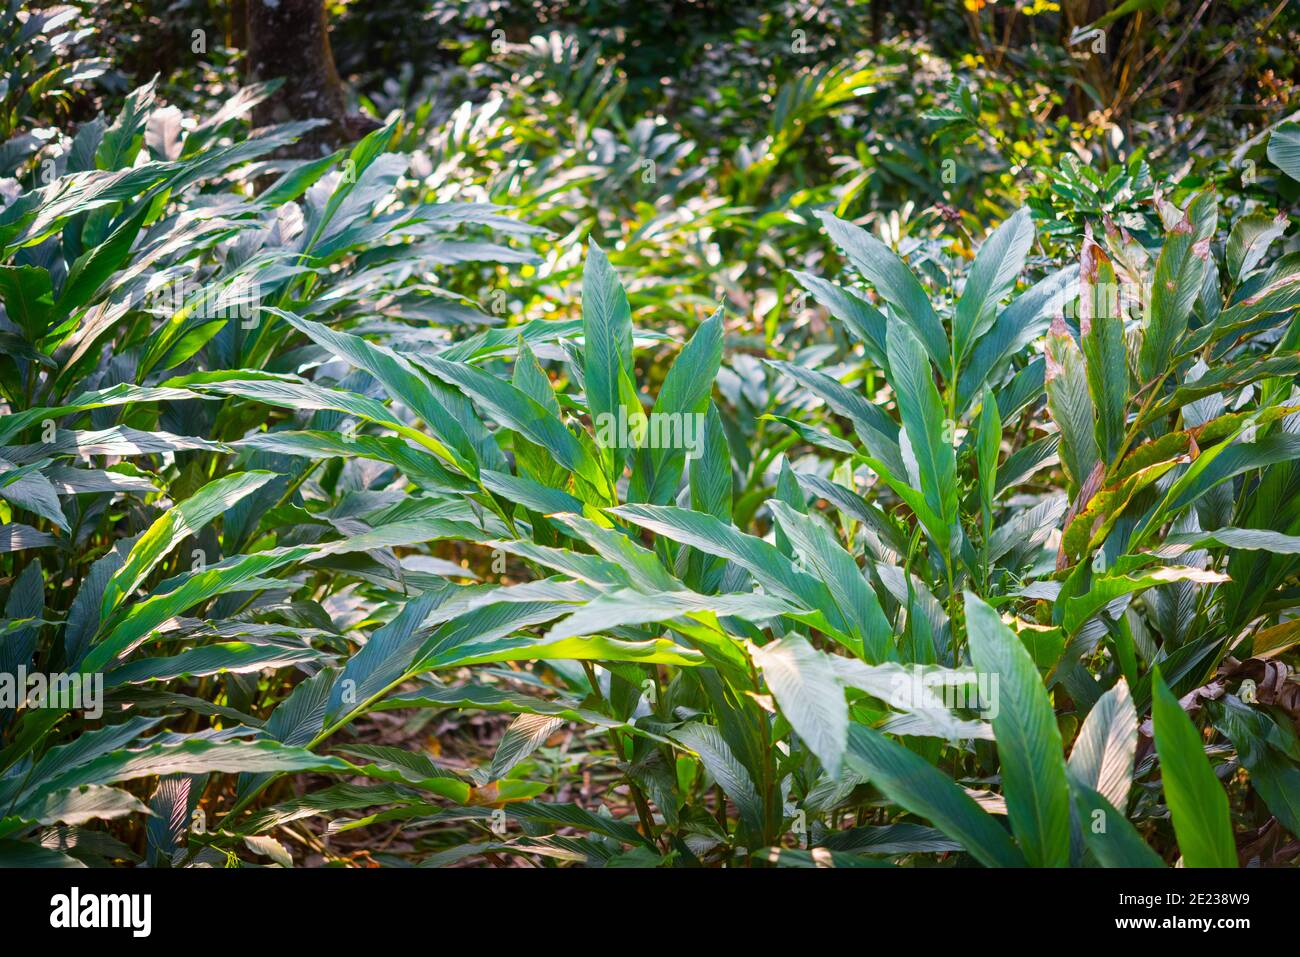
[[385, 657], [607, 335], [761, 559], [192, 755], [402, 382], [996, 267], [408, 767], [1196, 799], [625, 607], [642, 566], [1105, 589], [25, 854], [416, 464], [1284, 149], [16, 537], [683, 399], [1216, 465], [1108, 834], [173, 527], [593, 648], [710, 473], [863, 319], [123, 139], [1242, 539], [76, 806], [878, 432], [1272, 773], [803, 681], [896, 284], [337, 797], [925, 424], [907, 780], [222, 657], [1070, 404], [1029, 743], [707, 742], [571, 815], [28, 298], [27, 488], [1249, 241], [1176, 283], [526, 734], [1101, 334], [1020, 323], [1102, 756], [988, 443], [124, 627], [519, 411], [856, 602]]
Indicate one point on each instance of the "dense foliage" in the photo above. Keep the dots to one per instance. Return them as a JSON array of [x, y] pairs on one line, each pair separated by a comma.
[[857, 449]]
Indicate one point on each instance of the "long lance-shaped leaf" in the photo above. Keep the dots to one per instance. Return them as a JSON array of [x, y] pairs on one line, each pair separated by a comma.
[[73, 806], [1075, 611], [878, 432], [988, 441], [1249, 241], [497, 647], [1284, 149], [607, 336], [1020, 323], [761, 559], [191, 755], [16, 854], [1196, 799], [223, 657], [1107, 833], [999, 261], [896, 284], [923, 418], [626, 607], [1102, 756], [1029, 742], [855, 599], [681, 404], [584, 567], [926, 791], [28, 298], [1070, 404], [173, 527], [642, 566], [1179, 271], [687, 613], [1272, 773], [719, 760], [526, 734], [1215, 466], [519, 411], [385, 657], [1101, 334], [486, 698], [121, 394], [79, 751], [293, 392], [863, 319], [128, 625], [402, 382], [809, 694], [26, 487], [414, 463]]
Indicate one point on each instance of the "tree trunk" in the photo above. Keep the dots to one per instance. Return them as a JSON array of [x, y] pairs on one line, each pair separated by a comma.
[[237, 34], [289, 39]]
